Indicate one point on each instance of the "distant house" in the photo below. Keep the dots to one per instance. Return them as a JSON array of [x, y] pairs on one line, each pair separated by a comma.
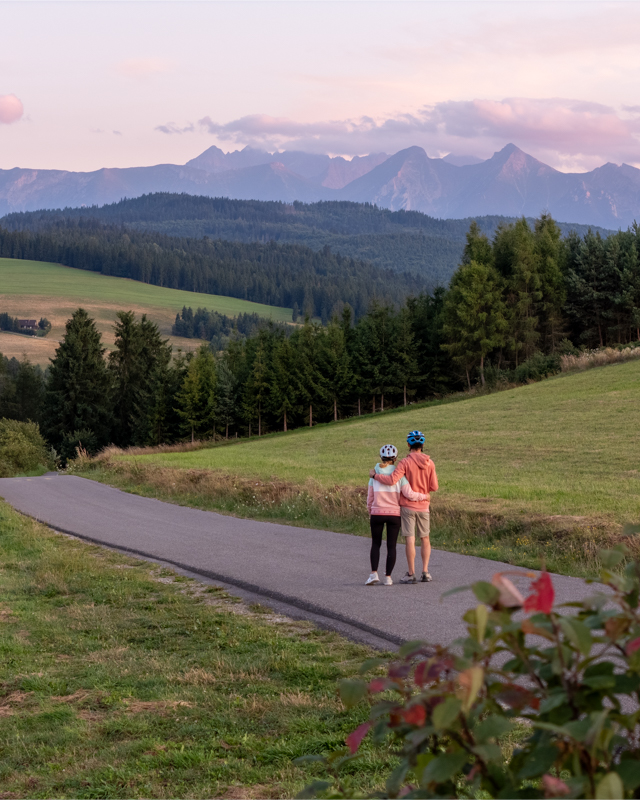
[[28, 324]]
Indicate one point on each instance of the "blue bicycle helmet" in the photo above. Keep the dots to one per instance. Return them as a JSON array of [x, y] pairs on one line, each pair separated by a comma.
[[415, 437]]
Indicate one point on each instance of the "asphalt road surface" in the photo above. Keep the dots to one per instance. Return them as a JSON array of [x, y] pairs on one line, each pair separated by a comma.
[[316, 574]]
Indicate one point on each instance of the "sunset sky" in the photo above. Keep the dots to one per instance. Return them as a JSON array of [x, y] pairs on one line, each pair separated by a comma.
[[85, 85]]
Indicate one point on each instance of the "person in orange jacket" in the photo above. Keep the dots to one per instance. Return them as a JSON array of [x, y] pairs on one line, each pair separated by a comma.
[[420, 471]]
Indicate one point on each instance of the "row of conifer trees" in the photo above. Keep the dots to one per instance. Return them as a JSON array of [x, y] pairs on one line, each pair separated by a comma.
[[524, 295]]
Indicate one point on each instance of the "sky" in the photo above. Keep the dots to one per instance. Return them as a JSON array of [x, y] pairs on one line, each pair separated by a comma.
[[112, 83]]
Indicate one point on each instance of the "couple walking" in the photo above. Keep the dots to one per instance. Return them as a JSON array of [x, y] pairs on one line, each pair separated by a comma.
[[399, 495]]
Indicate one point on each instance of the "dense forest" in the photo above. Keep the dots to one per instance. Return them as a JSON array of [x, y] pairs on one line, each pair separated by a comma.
[[293, 276], [404, 241], [515, 304]]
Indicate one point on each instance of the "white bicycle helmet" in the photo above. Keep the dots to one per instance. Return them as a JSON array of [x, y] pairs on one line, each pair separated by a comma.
[[388, 451]]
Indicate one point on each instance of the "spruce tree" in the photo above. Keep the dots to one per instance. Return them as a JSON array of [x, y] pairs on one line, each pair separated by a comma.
[[284, 390], [196, 398], [337, 366], [474, 317], [406, 355], [226, 392], [78, 396]]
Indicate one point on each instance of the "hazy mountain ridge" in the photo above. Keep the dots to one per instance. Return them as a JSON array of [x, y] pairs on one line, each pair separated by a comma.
[[510, 183]]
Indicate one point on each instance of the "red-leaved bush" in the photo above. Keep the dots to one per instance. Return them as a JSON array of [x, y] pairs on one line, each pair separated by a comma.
[[535, 701]]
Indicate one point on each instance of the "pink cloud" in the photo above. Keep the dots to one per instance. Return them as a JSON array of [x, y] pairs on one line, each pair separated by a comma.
[[11, 109], [566, 133]]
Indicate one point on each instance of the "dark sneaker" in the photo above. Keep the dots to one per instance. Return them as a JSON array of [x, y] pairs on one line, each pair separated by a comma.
[[426, 577], [409, 578]]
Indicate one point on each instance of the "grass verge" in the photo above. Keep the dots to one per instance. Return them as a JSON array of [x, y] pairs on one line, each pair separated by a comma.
[[564, 544], [119, 678]]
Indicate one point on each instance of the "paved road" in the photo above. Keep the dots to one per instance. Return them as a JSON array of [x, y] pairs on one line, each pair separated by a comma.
[[320, 573]]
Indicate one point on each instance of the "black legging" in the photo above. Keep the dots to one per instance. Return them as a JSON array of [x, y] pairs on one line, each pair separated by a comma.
[[393, 529]]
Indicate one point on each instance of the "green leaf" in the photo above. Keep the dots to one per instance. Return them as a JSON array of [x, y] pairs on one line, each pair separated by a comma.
[[553, 701], [611, 558], [485, 592], [492, 727], [370, 663], [538, 762], [313, 790], [482, 617], [395, 780], [488, 752], [444, 767], [600, 681], [409, 648], [577, 633], [629, 771], [352, 692], [445, 713], [307, 759], [610, 788]]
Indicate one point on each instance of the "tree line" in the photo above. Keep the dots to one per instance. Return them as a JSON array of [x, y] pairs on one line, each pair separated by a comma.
[[515, 303], [529, 290], [288, 275], [403, 241]]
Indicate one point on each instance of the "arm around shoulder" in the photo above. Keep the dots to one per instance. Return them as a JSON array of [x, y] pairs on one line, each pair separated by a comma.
[[391, 480]]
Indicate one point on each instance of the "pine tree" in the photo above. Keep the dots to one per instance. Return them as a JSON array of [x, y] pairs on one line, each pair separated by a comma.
[[313, 388], [337, 366], [227, 399], [284, 390], [196, 398], [474, 316], [256, 389], [478, 247], [549, 252], [406, 355], [126, 370], [78, 394]]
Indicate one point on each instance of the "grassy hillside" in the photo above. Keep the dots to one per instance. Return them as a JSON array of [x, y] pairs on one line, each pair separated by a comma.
[[565, 446], [34, 289]]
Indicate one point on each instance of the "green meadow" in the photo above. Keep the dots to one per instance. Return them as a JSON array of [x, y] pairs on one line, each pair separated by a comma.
[[120, 678], [569, 445], [19, 277], [34, 289]]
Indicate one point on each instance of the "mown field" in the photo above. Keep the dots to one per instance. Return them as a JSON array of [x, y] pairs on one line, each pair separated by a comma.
[[568, 445], [546, 473], [34, 289], [119, 678]]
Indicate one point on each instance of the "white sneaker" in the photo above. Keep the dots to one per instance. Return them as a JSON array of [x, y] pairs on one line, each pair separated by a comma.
[[373, 579], [387, 580]]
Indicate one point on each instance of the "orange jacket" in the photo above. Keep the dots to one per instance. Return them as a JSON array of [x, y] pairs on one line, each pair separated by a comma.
[[420, 471]]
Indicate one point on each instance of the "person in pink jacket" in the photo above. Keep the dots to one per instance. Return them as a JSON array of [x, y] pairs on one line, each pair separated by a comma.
[[383, 505], [420, 470]]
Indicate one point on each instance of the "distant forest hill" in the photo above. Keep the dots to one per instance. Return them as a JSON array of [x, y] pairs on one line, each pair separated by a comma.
[[402, 241], [317, 284]]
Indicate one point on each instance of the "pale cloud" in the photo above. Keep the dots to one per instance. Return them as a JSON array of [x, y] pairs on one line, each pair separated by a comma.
[[172, 127], [11, 109], [143, 67], [566, 133]]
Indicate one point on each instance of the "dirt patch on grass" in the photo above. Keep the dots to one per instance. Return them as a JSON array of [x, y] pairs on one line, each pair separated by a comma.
[[157, 706], [6, 614], [8, 704]]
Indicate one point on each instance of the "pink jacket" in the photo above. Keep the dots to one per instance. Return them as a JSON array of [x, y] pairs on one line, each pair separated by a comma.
[[420, 471], [386, 500]]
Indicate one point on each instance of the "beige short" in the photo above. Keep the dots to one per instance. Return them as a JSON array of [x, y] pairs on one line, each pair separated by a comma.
[[415, 520]]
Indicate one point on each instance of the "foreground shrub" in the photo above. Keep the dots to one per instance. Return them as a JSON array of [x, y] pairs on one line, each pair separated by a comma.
[[565, 685], [22, 448]]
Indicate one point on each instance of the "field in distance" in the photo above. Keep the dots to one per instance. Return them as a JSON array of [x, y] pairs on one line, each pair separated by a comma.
[[35, 289], [565, 446]]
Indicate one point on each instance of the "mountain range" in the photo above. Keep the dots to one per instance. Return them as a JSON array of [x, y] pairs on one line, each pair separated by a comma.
[[510, 183]]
